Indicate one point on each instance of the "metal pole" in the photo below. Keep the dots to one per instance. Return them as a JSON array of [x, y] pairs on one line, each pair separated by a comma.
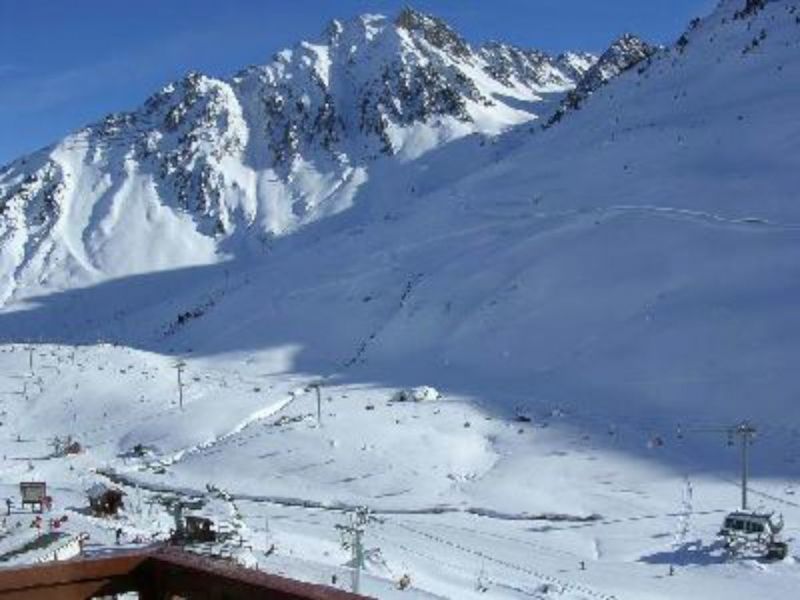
[[179, 366], [352, 537], [319, 406], [359, 558], [744, 471], [746, 431]]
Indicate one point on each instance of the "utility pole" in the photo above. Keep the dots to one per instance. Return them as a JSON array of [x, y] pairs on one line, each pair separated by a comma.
[[29, 348], [179, 367], [352, 538], [317, 386], [746, 432]]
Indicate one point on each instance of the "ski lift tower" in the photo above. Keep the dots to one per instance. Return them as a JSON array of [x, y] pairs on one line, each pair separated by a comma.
[[317, 386], [746, 528], [746, 432]]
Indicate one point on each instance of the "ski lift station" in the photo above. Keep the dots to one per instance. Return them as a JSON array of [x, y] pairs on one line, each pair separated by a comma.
[[759, 532], [195, 529], [747, 530], [199, 529], [104, 501]]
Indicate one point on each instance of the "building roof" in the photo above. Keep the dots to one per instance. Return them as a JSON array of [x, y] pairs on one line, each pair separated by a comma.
[[155, 570], [98, 490]]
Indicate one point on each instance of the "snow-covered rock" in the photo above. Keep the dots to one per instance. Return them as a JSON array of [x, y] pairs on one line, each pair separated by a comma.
[[422, 393], [625, 53]]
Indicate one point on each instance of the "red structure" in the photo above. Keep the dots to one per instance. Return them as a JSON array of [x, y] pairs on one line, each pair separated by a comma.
[[161, 573]]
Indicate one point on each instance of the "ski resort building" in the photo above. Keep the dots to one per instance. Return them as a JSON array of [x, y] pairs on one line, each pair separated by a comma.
[[199, 529], [104, 501]]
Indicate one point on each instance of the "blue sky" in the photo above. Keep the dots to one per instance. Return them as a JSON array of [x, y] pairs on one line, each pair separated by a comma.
[[66, 63]]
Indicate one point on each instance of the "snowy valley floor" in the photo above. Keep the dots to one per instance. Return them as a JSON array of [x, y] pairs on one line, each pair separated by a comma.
[[470, 500]]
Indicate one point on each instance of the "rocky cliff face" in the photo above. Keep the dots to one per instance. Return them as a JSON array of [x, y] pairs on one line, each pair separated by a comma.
[[625, 53]]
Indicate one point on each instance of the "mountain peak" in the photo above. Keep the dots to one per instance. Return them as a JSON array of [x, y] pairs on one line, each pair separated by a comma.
[[628, 43], [625, 52], [434, 30]]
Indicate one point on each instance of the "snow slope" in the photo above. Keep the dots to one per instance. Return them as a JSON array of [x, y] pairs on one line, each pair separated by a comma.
[[208, 168], [628, 270]]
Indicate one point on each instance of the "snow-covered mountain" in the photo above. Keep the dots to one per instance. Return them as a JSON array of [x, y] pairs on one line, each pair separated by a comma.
[[208, 164], [578, 292], [492, 236], [350, 158], [625, 53]]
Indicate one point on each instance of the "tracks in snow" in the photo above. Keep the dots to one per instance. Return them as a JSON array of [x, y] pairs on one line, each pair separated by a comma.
[[563, 585], [259, 415], [753, 222], [290, 502]]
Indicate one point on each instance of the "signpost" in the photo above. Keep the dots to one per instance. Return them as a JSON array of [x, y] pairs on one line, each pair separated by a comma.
[[33, 493]]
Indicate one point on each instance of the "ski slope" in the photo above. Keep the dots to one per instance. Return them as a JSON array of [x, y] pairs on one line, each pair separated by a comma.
[[577, 293], [509, 504]]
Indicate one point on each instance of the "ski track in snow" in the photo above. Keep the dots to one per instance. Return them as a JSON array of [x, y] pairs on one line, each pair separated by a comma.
[[256, 417], [136, 483], [540, 576], [564, 585], [752, 222]]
